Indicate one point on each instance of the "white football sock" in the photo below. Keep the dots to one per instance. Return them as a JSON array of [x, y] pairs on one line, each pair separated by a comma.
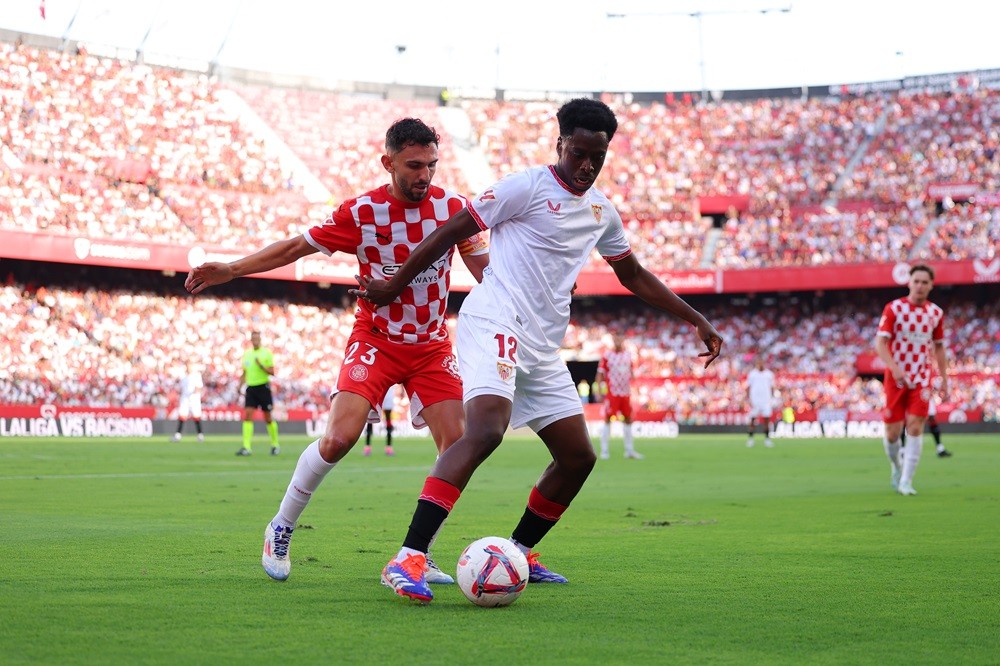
[[629, 447], [605, 436], [911, 457], [405, 552], [892, 451], [309, 473]]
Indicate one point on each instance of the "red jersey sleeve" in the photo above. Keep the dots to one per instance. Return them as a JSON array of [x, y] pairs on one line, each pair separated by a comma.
[[339, 233], [886, 325], [938, 334]]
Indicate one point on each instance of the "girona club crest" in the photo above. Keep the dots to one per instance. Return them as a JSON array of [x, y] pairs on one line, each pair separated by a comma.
[[451, 365], [598, 211], [359, 373]]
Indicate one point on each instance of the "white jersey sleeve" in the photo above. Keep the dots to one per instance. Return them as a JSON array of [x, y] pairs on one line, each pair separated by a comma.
[[504, 200]]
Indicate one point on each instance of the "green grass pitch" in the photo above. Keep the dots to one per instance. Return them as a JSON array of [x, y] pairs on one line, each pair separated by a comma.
[[706, 552]]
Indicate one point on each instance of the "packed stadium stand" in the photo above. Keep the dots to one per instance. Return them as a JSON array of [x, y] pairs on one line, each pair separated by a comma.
[[78, 338], [96, 150]]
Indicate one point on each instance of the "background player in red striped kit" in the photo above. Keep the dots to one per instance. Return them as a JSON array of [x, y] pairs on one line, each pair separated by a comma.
[[405, 343], [615, 371], [910, 332]]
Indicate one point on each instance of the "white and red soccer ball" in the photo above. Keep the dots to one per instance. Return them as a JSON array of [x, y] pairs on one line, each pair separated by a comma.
[[492, 572]]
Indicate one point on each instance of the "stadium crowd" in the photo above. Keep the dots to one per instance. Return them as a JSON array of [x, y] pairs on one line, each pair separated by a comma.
[[99, 147], [96, 344], [108, 148], [341, 137], [111, 149]]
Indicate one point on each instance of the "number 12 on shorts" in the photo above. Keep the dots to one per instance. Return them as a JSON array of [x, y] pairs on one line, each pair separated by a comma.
[[506, 347]]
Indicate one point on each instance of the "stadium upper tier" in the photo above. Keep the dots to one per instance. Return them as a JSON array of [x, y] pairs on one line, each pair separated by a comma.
[[102, 148]]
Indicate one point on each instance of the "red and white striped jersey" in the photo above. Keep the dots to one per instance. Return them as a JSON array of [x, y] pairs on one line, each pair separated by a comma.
[[382, 231], [617, 369], [912, 331]]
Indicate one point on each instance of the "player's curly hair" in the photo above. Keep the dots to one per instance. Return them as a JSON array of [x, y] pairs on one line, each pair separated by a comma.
[[588, 114], [409, 132]]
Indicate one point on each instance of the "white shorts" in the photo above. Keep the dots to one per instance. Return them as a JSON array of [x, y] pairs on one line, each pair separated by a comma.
[[761, 410], [189, 406], [539, 386]]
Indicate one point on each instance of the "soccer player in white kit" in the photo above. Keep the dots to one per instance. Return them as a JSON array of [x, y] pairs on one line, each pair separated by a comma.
[[760, 389], [544, 223], [189, 403]]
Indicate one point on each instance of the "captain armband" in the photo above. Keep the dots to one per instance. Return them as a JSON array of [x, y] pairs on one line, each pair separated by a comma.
[[476, 244]]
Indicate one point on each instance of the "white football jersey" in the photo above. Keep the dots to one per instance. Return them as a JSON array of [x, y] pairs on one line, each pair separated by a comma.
[[542, 232], [191, 384], [761, 384]]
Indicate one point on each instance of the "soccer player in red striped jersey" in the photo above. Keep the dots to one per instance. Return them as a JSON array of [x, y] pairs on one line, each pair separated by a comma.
[[615, 370], [406, 342], [910, 332]]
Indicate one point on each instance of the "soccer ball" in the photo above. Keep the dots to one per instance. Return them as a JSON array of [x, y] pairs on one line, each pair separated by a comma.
[[492, 572]]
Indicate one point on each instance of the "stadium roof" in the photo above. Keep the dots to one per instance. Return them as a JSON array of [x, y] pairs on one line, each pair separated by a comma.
[[590, 45]]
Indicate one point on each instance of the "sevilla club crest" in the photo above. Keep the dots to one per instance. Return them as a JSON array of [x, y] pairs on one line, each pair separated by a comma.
[[505, 371]]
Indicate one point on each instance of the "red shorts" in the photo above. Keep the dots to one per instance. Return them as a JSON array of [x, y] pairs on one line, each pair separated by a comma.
[[618, 404], [900, 401], [373, 364]]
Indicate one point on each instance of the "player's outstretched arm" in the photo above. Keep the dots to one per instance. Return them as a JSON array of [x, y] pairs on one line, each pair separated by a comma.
[[273, 256], [459, 226], [648, 287]]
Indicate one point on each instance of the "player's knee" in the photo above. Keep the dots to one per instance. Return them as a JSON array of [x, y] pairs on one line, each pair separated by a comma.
[[578, 462], [334, 446], [444, 438], [485, 442]]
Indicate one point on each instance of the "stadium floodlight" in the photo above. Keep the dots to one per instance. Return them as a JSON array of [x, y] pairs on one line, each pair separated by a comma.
[[698, 15]]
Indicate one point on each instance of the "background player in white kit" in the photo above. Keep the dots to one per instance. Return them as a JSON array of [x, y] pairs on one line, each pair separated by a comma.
[[910, 331], [760, 393], [615, 371], [544, 224], [189, 402]]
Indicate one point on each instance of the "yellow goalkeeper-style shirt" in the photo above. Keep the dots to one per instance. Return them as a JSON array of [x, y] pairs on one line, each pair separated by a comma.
[[254, 375]]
